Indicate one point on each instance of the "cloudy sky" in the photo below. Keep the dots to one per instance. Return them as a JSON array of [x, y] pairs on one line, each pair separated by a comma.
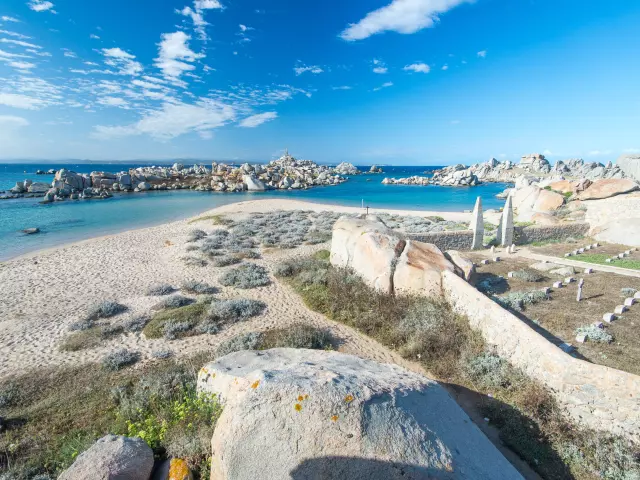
[[368, 81]]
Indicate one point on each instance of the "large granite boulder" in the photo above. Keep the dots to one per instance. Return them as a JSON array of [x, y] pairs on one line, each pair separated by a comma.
[[532, 199], [346, 168], [616, 219], [374, 259], [464, 267], [74, 181], [419, 270], [309, 414], [38, 187], [608, 188], [253, 184], [346, 233], [535, 162], [548, 201], [630, 165], [112, 457]]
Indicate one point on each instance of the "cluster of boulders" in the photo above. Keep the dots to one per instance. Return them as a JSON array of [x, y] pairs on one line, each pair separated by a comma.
[[346, 168], [415, 180], [51, 171], [391, 262], [375, 169], [285, 173]]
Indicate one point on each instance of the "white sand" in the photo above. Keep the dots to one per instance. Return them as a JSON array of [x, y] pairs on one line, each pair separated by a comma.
[[46, 291]]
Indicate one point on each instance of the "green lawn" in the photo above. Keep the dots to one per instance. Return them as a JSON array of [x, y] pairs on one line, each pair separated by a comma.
[[599, 258]]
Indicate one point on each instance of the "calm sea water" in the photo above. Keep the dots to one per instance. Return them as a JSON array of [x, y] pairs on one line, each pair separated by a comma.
[[77, 220]]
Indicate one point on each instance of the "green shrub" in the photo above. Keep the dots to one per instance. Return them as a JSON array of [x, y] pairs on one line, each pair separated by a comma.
[[322, 255], [627, 292], [595, 334], [225, 261], [528, 275], [244, 341], [160, 289], [174, 301], [136, 324], [231, 311], [105, 309], [249, 275], [195, 235], [519, 300], [296, 336], [120, 359], [198, 288], [193, 313], [90, 338]]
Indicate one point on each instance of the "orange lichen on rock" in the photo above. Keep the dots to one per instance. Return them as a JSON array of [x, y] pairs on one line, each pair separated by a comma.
[[255, 384], [334, 418], [298, 407], [179, 470], [348, 398], [168, 243], [300, 398]]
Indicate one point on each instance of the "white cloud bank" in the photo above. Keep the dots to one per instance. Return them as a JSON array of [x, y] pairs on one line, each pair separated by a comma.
[[40, 6], [24, 102], [174, 55], [9, 19], [402, 16], [259, 119], [12, 122], [315, 69]]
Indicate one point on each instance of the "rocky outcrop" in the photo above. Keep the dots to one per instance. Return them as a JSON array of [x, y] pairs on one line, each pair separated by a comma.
[[415, 180], [302, 414], [113, 457], [530, 200], [375, 169], [456, 176], [615, 219], [608, 188], [464, 267], [388, 263], [346, 168], [253, 184], [630, 165], [535, 163]]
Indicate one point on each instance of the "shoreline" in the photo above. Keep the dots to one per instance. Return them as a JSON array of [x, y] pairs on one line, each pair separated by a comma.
[[246, 207]]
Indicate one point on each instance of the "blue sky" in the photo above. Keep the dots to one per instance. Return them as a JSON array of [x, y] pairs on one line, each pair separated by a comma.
[[376, 81]]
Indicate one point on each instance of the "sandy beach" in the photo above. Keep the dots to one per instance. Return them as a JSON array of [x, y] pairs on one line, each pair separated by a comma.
[[44, 292]]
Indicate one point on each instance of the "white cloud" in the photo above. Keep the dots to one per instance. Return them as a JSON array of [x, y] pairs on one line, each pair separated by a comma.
[[14, 34], [40, 5], [123, 61], [173, 120], [174, 53], [94, 37], [300, 69], [402, 16], [384, 85], [343, 87], [482, 53], [113, 102], [6, 55], [417, 67], [69, 53], [445, 67], [380, 70], [22, 65], [21, 101], [207, 4], [380, 67], [19, 43], [244, 28], [259, 119], [5, 18], [11, 121], [198, 21]]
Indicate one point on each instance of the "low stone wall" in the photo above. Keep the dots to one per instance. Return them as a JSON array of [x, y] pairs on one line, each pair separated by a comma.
[[599, 397], [458, 240], [530, 234]]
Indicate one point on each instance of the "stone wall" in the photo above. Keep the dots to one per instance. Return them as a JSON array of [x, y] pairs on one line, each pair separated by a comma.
[[530, 234], [599, 397], [458, 240]]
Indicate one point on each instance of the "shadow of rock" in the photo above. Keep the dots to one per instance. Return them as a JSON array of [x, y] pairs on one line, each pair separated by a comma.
[[491, 284]]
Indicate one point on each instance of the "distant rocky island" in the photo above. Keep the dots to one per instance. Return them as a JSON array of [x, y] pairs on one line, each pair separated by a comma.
[[285, 173], [535, 166]]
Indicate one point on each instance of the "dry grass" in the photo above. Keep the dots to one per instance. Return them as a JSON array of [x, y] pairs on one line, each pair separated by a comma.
[[563, 315]]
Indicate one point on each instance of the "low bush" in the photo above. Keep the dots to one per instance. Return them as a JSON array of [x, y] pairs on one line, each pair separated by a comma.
[[193, 313], [249, 275], [225, 261], [136, 324], [105, 309], [194, 262], [595, 334], [89, 338], [231, 311], [627, 292], [198, 288], [518, 301], [174, 301], [195, 235], [296, 336], [244, 341], [528, 275], [120, 359], [173, 329], [160, 289], [162, 354]]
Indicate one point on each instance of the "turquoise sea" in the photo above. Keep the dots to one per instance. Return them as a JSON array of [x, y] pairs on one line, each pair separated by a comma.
[[77, 220]]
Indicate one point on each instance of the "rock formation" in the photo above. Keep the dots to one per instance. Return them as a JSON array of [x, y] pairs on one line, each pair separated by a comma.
[[630, 165], [345, 168], [302, 414], [506, 224], [477, 226]]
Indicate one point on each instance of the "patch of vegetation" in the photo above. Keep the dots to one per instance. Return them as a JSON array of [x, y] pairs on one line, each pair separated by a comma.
[[160, 289], [525, 413], [89, 338], [195, 235], [174, 301], [162, 354], [527, 275], [249, 275], [56, 413], [136, 324], [595, 334], [244, 341], [198, 288], [120, 359], [232, 311], [214, 219], [192, 314], [518, 301], [225, 260], [106, 309], [322, 255], [627, 292], [194, 262], [600, 259], [523, 224]]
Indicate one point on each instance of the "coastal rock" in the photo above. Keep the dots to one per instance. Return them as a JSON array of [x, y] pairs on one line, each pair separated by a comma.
[[38, 187], [374, 257], [18, 188], [31, 231], [535, 163], [548, 202], [144, 186], [455, 175], [178, 167], [630, 165], [419, 270], [464, 267], [563, 186], [71, 180], [112, 457], [346, 168], [306, 414], [415, 180], [375, 169], [346, 233], [608, 188], [253, 184], [544, 219]]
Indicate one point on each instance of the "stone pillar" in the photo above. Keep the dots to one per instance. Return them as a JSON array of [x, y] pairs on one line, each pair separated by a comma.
[[477, 226], [506, 224]]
